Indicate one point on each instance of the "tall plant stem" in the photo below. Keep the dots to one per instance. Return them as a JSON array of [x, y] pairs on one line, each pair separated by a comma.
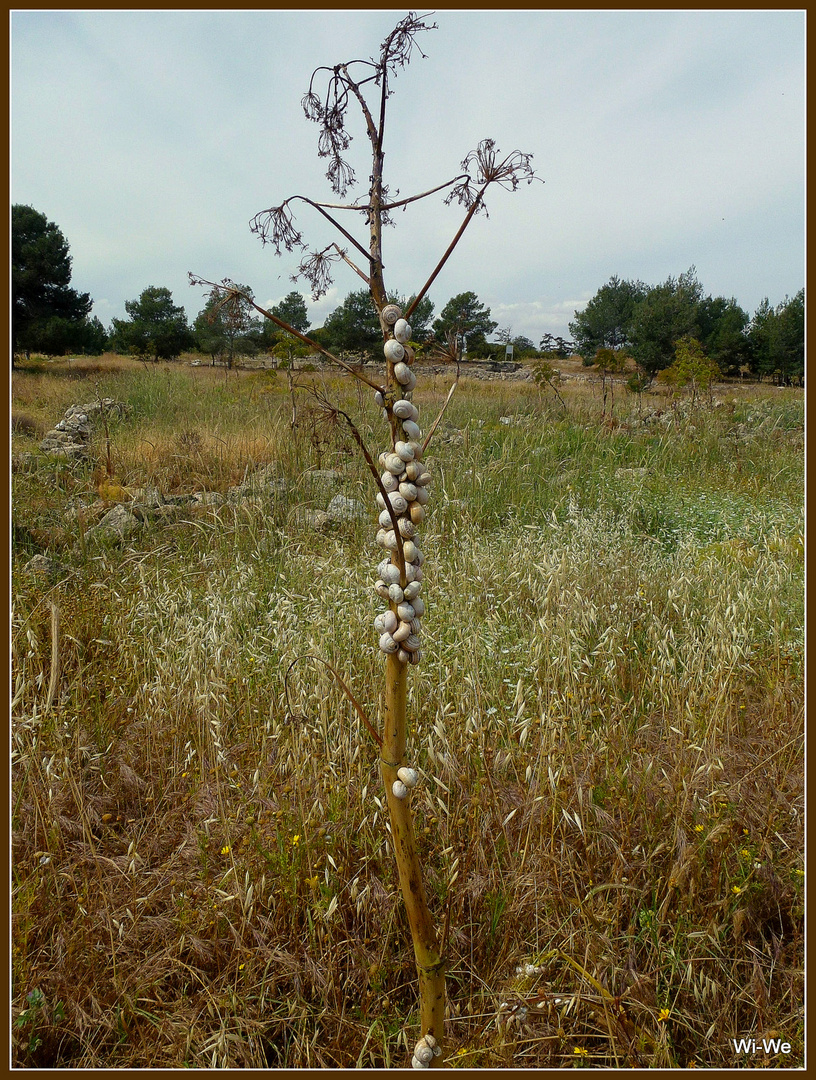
[[429, 961]]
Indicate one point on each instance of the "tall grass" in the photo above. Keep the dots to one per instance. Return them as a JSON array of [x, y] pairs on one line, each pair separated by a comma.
[[609, 723]]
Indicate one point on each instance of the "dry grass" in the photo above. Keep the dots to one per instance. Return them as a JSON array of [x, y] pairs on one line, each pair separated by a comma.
[[608, 722]]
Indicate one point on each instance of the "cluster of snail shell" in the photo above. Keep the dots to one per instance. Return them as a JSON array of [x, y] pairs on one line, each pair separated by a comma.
[[404, 480], [425, 1051]]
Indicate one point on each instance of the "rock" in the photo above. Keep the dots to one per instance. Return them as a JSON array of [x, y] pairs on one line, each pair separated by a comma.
[[322, 477], [118, 524], [72, 434], [208, 498], [41, 564], [630, 474], [148, 497], [311, 519], [64, 444], [263, 483], [342, 508]]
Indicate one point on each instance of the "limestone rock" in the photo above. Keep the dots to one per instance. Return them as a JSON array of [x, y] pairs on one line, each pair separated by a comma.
[[342, 509], [118, 524]]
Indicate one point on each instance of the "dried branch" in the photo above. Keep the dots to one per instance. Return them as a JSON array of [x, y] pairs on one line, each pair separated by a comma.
[[357, 706], [228, 286]]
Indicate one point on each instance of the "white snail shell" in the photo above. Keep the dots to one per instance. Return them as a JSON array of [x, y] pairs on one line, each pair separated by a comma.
[[398, 502], [381, 589], [403, 374], [423, 1052], [394, 464], [402, 631], [400, 791], [386, 623], [418, 605], [388, 572], [395, 594], [406, 611], [405, 410], [378, 397], [411, 591], [417, 1064], [411, 429], [384, 519], [411, 573], [409, 548], [405, 451], [390, 314], [402, 331], [411, 382], [408, 490], [387, 644], [422, 496], [407, 530], [389, 481], [408, 776], [393, 350], [404, 657]]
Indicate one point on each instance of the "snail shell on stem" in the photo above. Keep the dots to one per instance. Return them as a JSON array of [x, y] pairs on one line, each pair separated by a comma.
[[402, 331], [393, 350], [386, 623], [404, 375], [381, 589], [408, 776], [406, 410], [394, 463], [390, 314]]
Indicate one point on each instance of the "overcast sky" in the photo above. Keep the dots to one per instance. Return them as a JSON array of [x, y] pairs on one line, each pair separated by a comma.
[[665, 139]]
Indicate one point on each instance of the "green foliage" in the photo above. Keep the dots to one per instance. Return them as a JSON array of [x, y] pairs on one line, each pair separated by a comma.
[[606, 321], [667, 313], [691, 368], [47, 314], [466, 314], [226, 327], [611, 361], [777, 340], [355, 325], [648, 321], [157, 327], [556, 347]]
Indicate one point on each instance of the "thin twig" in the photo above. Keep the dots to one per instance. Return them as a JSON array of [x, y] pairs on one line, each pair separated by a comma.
[[441, 411], [52, 684], [358, 707]]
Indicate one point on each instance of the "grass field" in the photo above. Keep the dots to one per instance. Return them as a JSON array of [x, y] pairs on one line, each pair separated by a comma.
[[608, 723]]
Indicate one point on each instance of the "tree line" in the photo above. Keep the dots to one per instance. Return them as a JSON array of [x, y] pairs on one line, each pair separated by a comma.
[[672, 328], [659, 327]]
